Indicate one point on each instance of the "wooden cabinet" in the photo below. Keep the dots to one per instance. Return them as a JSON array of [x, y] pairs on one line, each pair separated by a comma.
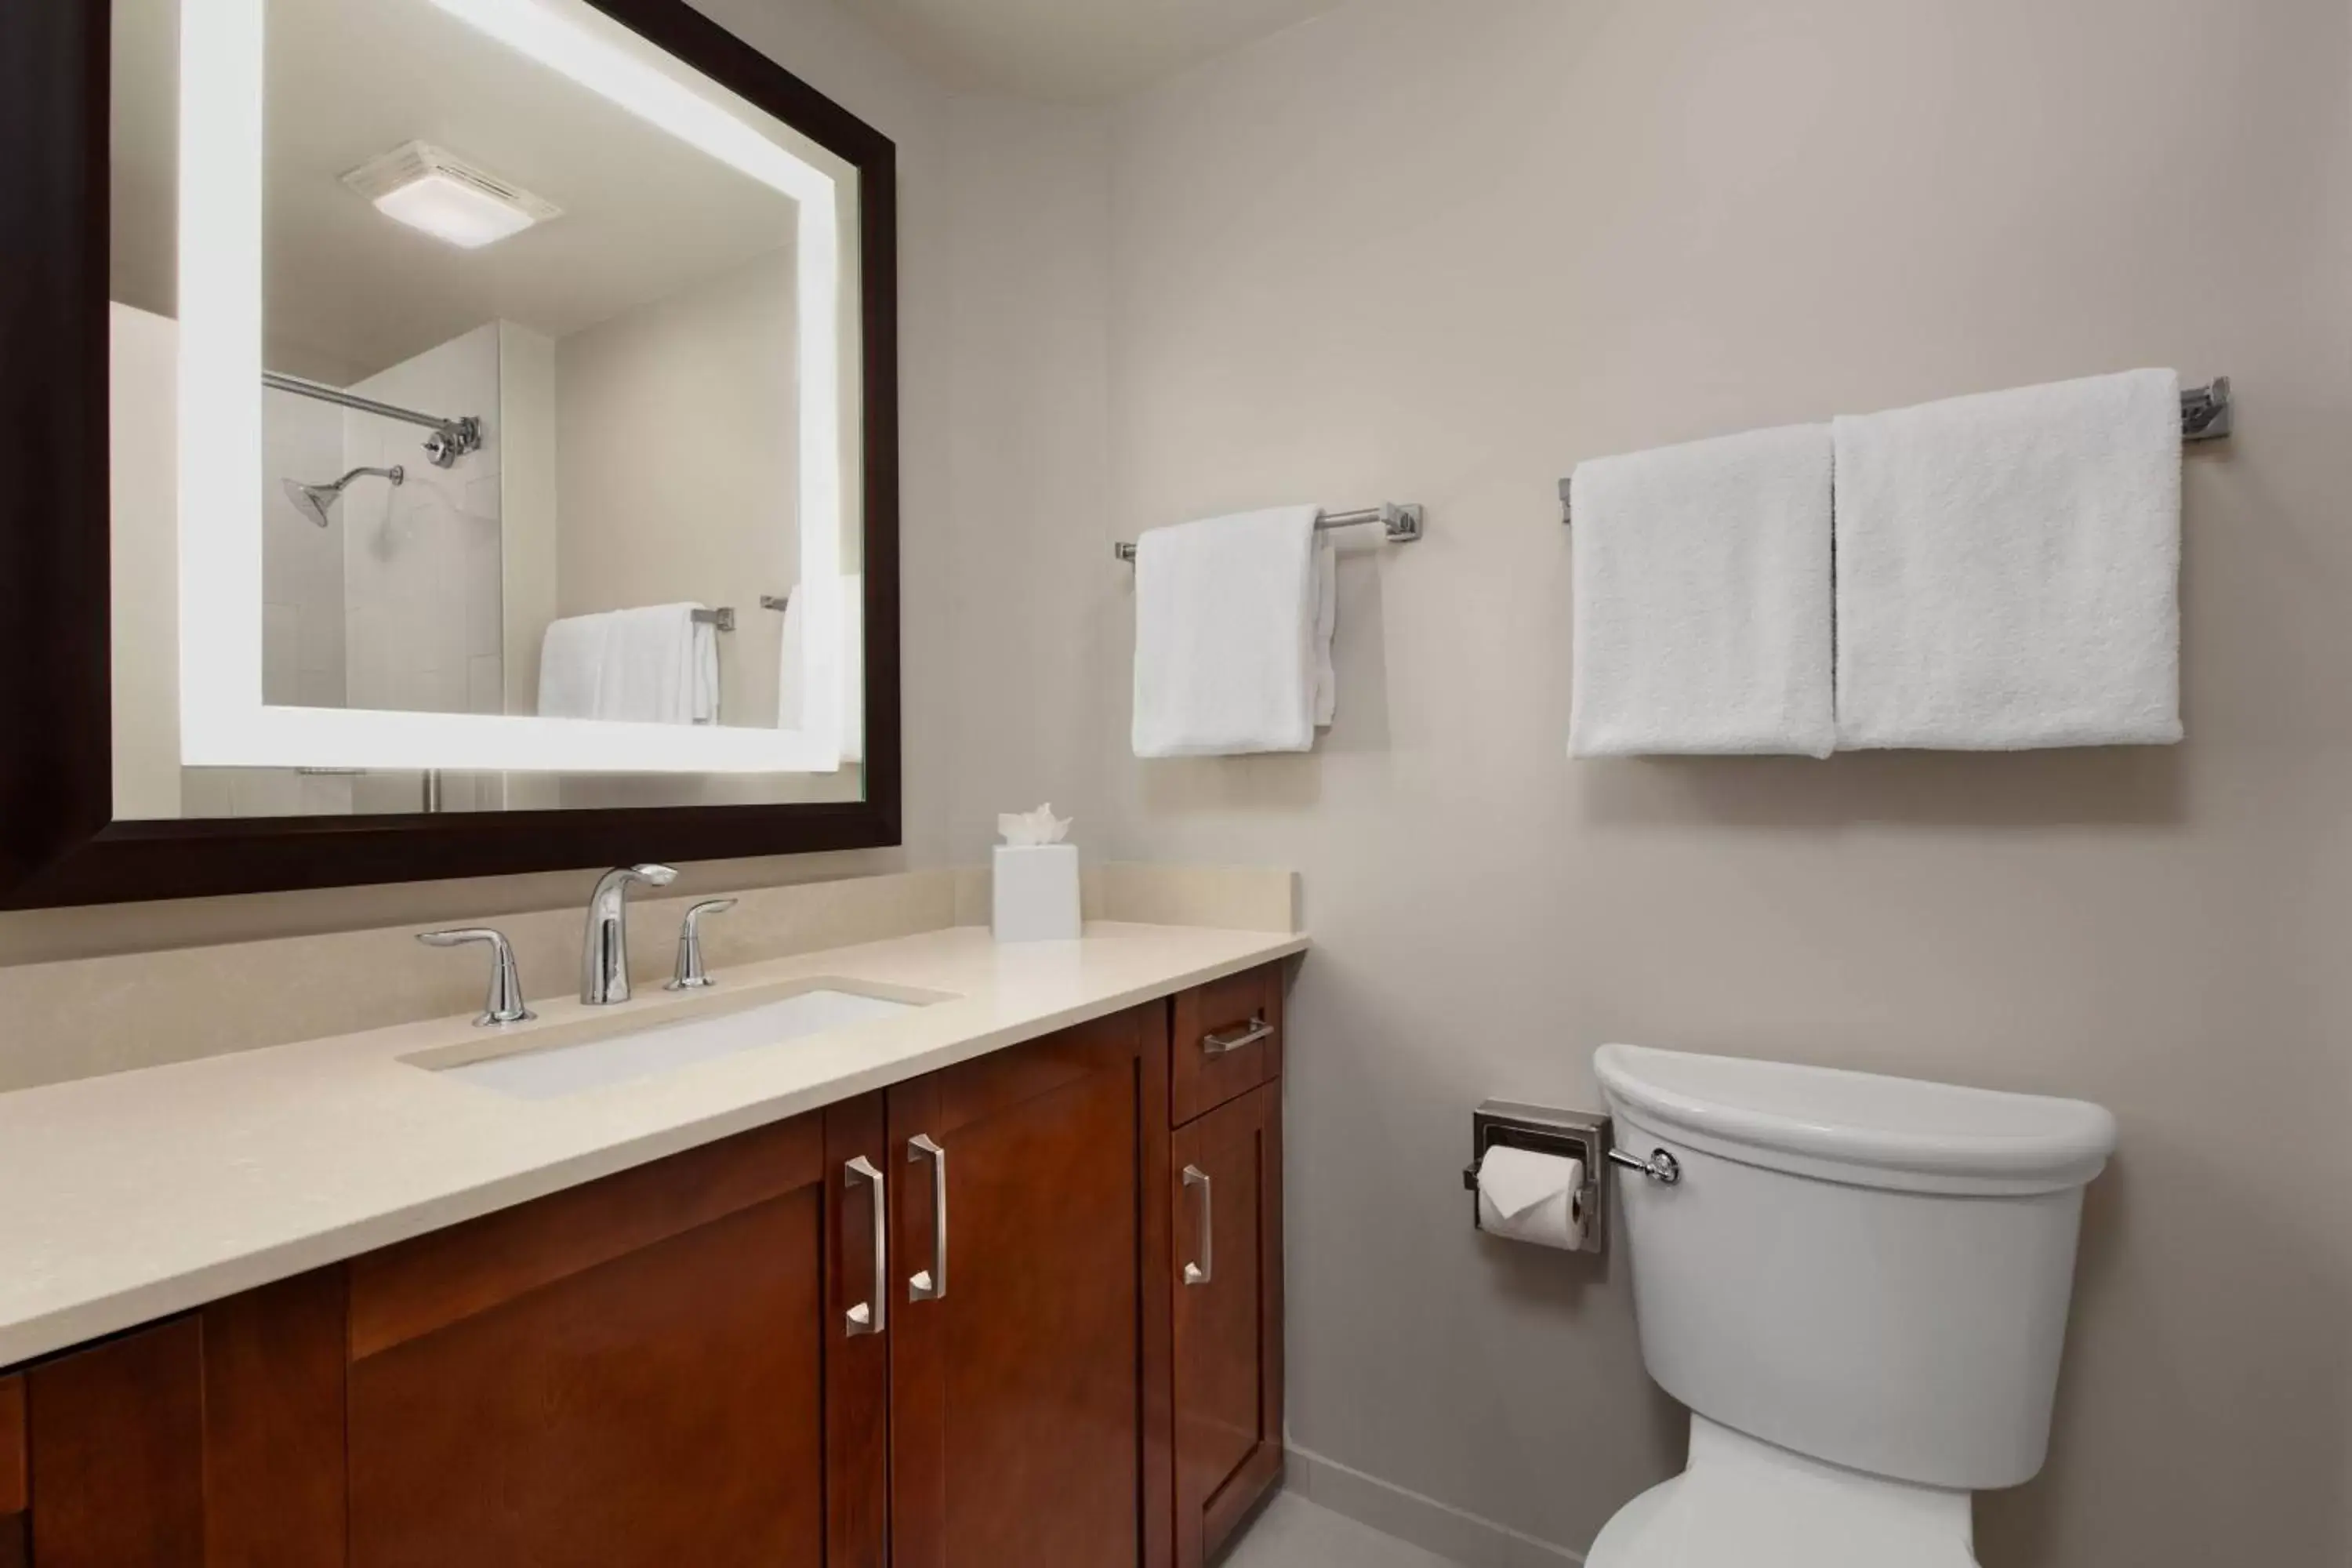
[[214, 1437], [15, 1545], [1028, 1416], [948, 1325], [630, 1373], [649, 1369], [1227, 1190]]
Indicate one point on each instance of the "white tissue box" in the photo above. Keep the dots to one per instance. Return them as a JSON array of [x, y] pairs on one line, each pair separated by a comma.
[[1036, 893]]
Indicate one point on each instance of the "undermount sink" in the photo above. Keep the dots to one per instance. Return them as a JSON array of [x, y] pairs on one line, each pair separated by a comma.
[[591, 1053]]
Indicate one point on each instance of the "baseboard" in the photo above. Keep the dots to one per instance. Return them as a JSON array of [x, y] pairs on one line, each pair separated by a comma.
[[1429, 1524]]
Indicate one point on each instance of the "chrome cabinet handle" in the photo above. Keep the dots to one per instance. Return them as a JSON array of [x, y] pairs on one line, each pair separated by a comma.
[[871, 1315], [1250, 1033], [504, 1003], [1201, 1273], [931, 1284], [1660, 1167]]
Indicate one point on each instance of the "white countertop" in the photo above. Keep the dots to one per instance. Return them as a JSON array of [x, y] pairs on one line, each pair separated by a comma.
[[142, 1194]]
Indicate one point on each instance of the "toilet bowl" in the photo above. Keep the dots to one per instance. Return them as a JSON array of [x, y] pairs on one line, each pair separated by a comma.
[[1859, 1286]]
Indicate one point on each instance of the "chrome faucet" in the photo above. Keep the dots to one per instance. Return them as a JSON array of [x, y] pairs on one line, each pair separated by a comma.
[[604, 945]]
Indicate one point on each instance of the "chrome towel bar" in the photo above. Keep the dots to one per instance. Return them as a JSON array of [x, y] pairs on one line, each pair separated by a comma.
[[2207, 414], [1400, 524]]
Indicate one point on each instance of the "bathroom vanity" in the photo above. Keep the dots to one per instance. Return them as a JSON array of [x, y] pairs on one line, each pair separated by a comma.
[[1020, 1307], [538, 510]]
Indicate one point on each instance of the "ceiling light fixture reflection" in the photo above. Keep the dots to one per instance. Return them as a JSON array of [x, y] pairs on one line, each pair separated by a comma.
[[433, 189]]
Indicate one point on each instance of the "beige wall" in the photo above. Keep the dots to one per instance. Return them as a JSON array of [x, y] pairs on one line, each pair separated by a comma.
[[675, 430], [1438, 252], [1029, 462]]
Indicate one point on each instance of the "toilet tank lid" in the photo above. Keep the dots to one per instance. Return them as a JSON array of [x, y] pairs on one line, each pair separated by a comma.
[[1862, 1120]]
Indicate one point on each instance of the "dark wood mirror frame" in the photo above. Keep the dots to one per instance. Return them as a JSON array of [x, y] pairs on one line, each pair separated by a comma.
[[60, 842]]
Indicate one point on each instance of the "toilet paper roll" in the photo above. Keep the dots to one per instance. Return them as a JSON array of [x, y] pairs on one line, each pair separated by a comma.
[[1532, 1197]]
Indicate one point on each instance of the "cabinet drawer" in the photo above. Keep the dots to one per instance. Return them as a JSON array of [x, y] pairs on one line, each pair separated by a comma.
[[1228, 1040]]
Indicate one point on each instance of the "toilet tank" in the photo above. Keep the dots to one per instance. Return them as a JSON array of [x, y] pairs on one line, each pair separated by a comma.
[[1873, 1272]]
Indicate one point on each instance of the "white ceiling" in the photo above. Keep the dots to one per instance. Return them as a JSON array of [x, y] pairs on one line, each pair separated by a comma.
[[346, 290], [1078, 50]]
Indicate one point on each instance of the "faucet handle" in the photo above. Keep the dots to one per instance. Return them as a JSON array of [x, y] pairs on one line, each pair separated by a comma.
[[689, 974], [504, 1004]]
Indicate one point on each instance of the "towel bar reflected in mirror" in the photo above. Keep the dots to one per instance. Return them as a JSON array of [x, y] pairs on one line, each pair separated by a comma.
[[723, 617]]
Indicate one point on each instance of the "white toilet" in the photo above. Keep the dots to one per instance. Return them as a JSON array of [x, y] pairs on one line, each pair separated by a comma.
[[1859, 1286]]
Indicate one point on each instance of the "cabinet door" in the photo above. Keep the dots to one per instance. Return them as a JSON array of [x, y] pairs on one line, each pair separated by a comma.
[[629, 1374], [212, 1439], [1226, 1184], [1029, 1372]]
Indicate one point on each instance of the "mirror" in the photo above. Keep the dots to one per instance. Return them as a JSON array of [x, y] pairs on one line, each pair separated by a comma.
[[487, 422]]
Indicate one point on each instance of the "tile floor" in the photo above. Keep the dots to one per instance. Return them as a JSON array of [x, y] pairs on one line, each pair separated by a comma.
[[1291, 1533]]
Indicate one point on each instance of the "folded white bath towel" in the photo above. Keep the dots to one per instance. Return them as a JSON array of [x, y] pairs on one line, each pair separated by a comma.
[[1703, 598], [653, 665], [571, 665], [659, 667], [1232, 630], [706, 673], [2009, 569]]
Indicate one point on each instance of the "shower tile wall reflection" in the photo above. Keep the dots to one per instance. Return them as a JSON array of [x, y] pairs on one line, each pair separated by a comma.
[[303, 563], [421, 558], [394, 601]]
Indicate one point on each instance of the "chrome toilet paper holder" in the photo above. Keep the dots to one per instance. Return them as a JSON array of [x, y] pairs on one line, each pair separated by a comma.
[[1569, 1134]]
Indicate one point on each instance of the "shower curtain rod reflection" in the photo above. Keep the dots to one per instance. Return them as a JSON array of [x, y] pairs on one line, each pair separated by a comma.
[[451, 438]]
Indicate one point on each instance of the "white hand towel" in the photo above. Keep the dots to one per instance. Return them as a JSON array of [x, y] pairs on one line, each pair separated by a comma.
[[571, 665], [650, 673], [705, 673], [1326, 621], [1229, 626], [2009, 569], [1703, 598], [790, 659], [853, 638], [789, 698]]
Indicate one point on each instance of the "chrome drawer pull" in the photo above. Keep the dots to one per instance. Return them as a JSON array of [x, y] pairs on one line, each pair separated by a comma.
[[871, 1315], [1202, 1272], [1249, 1034], [931, 1284]]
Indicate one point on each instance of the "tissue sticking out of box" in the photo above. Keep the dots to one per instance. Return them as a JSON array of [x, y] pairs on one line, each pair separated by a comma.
[[1038, 826]]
